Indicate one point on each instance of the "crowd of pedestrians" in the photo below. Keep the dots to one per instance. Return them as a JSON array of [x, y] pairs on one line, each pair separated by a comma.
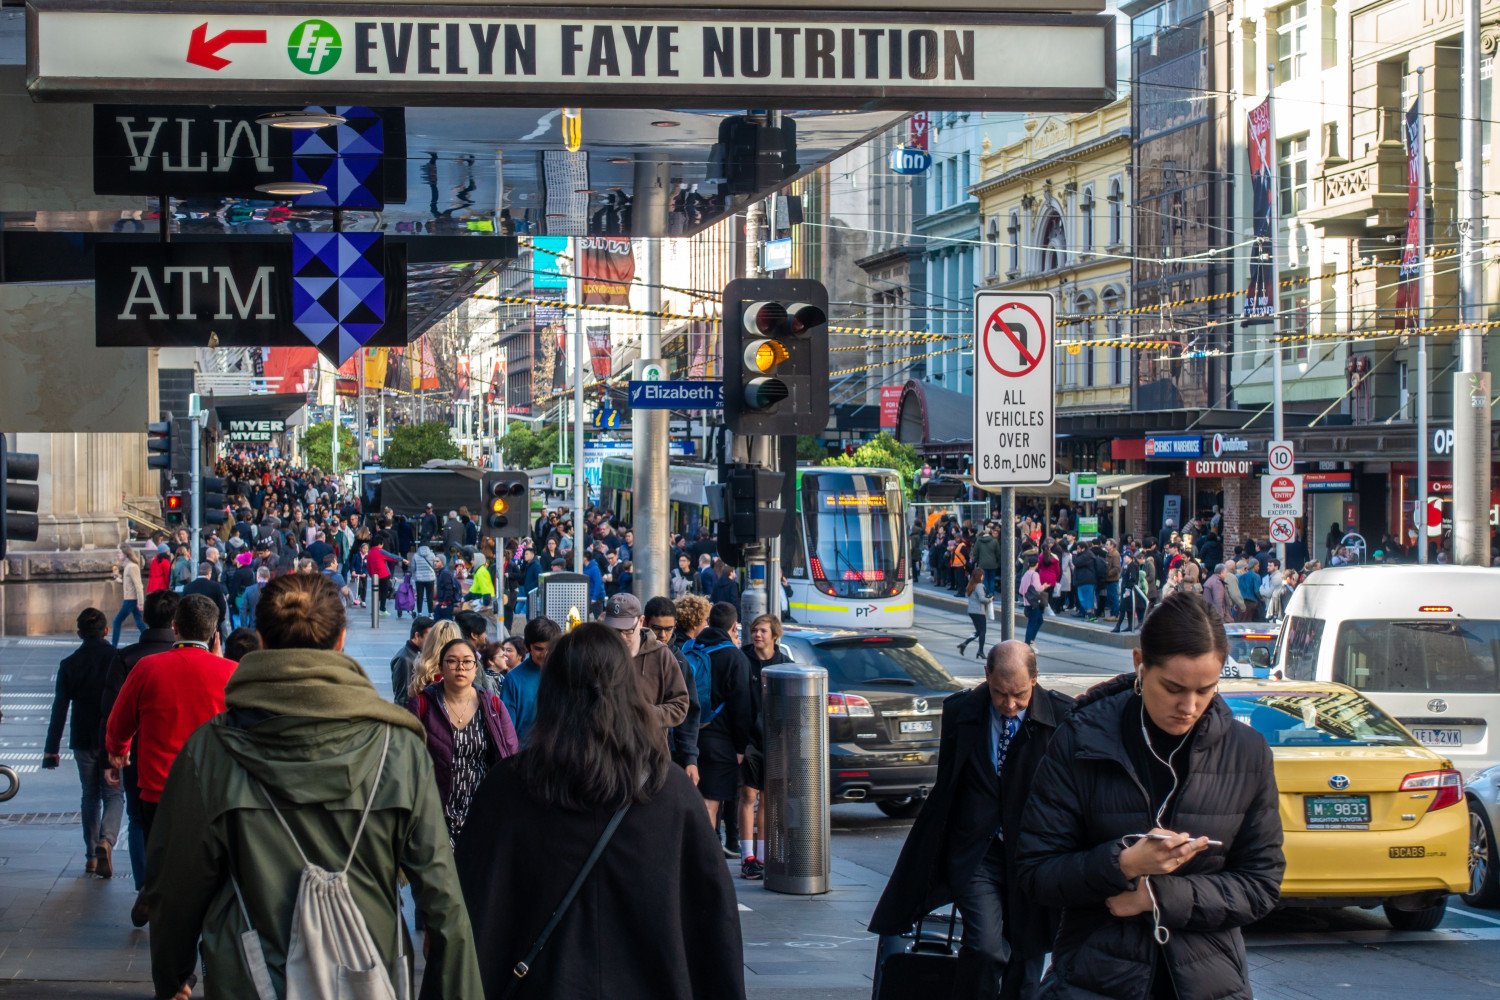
[[271, 791], [1101, 579]]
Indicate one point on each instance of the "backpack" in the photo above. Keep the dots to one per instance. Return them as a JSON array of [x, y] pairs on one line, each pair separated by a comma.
[[330, 953], [699, 660], [406, 595]]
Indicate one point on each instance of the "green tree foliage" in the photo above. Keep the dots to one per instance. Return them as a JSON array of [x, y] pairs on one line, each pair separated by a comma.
[[317, 444], [524, 448], [810, 449], [413, 444], [883, 452]]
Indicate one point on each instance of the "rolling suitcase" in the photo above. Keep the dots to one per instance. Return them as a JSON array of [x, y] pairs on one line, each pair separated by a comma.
[[917, 965]]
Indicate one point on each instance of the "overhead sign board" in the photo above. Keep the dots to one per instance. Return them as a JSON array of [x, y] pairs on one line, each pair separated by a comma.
[[1014, 422], [253, 430], [1328, 482], [678, 395], [231, 294], [1281, 495], [1207, 467], [1166, 448], [210, 51], [187, 151], [1227, 444]]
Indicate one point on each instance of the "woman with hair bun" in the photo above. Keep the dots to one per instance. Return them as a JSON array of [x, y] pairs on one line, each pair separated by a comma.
[[1153, 825], [308, 765]]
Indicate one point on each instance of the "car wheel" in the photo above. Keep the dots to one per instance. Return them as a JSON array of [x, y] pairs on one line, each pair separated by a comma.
[[1424, 919], [902, 808], [1484, 884]]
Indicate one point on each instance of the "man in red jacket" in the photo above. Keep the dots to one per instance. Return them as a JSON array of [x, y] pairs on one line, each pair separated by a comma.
[[166, 697]]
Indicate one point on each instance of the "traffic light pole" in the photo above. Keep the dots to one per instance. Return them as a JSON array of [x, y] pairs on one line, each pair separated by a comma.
[[195, 508], [580, 522]]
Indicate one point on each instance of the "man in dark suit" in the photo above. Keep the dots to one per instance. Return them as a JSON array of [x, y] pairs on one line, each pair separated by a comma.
[[207, 587], [962, 846]]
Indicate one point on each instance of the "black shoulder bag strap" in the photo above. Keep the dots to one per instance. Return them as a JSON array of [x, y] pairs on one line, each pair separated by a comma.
[[524, 965]]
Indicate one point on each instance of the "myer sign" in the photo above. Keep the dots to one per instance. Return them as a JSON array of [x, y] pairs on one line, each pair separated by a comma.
[[253, 431], [421, 53]]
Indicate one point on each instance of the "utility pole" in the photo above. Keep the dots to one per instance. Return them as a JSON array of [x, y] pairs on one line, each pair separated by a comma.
[[579, 486], [650, 458], [195, 457], [1419, 510], [1278, 417], [1471, 385]]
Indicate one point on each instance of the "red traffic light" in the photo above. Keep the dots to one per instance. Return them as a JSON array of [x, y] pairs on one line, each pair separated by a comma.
[[174, 502]]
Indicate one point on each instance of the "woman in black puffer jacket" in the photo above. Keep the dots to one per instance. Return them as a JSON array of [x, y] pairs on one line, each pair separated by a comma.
[[1155, 752]]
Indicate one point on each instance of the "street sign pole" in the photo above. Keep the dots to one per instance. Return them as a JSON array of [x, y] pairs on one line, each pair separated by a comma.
[[650, 465], [579, 472], [1014, 422], [1278, 420]]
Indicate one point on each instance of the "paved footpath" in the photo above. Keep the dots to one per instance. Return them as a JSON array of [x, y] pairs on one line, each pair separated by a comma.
[[65, 934]]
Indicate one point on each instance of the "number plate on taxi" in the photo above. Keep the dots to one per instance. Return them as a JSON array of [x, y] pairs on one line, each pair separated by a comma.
[[923, 726], [1336, 812], [1439, 737]]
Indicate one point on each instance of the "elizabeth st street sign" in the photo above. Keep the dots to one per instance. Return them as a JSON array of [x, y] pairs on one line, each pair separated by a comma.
[[106, 50]]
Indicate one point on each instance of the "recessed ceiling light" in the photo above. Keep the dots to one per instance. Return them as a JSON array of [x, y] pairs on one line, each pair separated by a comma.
[[289, 188], [300, 119], [666, 124], [619, 159]]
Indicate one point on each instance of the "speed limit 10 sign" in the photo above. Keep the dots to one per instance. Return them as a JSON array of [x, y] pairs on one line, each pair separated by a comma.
[[1280, 456]]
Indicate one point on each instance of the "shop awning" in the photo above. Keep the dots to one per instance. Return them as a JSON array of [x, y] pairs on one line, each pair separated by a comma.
[[1111, 487]]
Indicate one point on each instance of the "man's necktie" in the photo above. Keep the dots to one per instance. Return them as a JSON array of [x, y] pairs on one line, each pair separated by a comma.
[[1007, 733]]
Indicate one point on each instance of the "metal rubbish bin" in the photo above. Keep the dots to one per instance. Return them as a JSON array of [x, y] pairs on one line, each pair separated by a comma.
[[556, 594], [795, 798]]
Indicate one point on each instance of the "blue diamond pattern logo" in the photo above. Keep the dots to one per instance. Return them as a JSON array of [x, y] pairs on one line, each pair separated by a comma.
[[346, 159], [338, 290]]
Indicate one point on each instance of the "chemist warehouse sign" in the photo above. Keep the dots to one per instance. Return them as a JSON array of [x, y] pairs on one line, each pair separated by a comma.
[[419, 53]]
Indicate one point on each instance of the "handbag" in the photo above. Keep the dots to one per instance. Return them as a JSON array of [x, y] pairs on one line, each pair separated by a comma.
[[524, 965]]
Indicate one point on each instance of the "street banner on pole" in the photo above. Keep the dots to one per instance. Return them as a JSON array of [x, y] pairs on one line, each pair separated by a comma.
[[1409, 290], [1014, 426], [1260, 295]]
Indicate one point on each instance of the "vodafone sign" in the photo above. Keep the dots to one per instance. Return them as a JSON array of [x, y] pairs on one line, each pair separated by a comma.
[[1281, 495]]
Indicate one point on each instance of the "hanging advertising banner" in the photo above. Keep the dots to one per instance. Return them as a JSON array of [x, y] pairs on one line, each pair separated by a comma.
[[495, 391], [1260, 295], [461, 379], [890, 406], [601, 351], [1409, 288], [548, 262], [921, 129], [607, 267]]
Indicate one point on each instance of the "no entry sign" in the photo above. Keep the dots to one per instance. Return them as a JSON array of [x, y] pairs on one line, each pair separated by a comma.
[[1014, 426], [1281, 495]]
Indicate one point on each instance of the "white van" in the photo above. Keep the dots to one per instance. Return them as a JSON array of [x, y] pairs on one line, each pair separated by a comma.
[[1423, 642]]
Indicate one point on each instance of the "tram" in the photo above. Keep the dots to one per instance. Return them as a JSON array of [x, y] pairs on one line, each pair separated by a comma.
[[845, 559]]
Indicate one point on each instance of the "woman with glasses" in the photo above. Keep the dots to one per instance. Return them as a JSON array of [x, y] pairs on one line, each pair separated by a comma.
[[468, 730]]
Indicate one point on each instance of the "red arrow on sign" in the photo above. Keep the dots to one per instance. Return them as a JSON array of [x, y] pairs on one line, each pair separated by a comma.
[[204, 51]]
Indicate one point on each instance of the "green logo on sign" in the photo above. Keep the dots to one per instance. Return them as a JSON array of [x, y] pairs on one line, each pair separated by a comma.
[[314, 46]]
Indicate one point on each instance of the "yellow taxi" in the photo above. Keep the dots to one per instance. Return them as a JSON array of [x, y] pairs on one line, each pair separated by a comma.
[[1372, 817]]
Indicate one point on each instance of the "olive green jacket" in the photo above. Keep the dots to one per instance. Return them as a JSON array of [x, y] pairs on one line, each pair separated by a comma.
[[214, 823]]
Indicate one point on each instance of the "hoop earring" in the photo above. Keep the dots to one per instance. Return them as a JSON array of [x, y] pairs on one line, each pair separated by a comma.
[[1138, 687]]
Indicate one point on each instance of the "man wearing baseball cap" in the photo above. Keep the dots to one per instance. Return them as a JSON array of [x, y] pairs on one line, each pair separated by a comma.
[[656, 668]]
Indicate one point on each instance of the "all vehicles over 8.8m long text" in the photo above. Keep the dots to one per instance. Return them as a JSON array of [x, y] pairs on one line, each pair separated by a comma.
[[844, 554]]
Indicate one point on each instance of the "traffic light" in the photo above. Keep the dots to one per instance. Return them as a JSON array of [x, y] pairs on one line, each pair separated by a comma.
[[746, 488], [775, 356], [174, 507], [507, 504], [213, 500], [18, 496], [159, 444]]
